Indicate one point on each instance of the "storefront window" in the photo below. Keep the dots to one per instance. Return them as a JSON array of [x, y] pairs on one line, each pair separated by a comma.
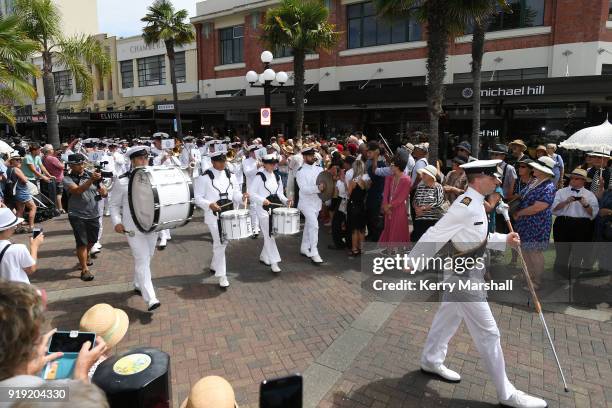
[[63, 82], [504, 75], [231, 44], [179, 66], [152, 71], [525, 13], [127, 74], [365, 29]]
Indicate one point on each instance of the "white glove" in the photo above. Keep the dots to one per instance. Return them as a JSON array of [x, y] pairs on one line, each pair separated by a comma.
[[502, 209]]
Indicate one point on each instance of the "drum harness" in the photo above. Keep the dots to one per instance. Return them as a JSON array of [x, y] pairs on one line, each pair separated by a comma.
[[224, 202], [273, 198]]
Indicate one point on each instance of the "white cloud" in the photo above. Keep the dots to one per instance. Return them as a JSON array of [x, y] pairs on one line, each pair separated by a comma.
[[122, 17]]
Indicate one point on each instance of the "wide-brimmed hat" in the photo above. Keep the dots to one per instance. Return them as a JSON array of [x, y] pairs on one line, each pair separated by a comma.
[[409, 147], [598, 154], [499, 149], [541, 147], [8, 219], [430, 170], [465, 146], [578, 172], [76, 158], [211, 392], [107, 322], [518, 142], [422, 146], [15, 155], [544, 164]]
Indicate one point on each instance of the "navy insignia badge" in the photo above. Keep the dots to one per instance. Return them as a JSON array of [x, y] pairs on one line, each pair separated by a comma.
[[466, 201]]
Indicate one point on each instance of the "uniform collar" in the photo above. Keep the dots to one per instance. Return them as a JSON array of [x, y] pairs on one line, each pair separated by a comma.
[[475, 195]]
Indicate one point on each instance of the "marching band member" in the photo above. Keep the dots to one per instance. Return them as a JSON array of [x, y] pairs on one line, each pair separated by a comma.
[[105, 160], [162, 157], [250, 167], [142, 245], [234, 164], [214, 192], [267, 190], [465, 225], [310, 204]]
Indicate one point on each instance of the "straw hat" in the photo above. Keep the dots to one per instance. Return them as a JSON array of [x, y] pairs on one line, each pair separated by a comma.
[[518, 142], [107, 322], [544, 164], [211, 392], [578, 172], [430, 170], [8, 219]]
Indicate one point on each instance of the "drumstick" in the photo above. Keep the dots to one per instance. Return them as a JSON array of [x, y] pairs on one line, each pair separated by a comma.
[[129, 233]]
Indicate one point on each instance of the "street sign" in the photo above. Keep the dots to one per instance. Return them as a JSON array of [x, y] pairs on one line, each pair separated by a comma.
[[165, 107], [265, 116]]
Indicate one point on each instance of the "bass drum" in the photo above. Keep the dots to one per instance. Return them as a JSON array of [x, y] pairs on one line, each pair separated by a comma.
[[160, 198]]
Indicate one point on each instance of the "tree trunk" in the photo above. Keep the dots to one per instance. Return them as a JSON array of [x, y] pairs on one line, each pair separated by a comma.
[[53, 136], [299, 56], [437, 43], [177, 111], [478, 44]]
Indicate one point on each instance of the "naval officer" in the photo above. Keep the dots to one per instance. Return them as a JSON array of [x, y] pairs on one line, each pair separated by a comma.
[[465, 226], [310, 204]]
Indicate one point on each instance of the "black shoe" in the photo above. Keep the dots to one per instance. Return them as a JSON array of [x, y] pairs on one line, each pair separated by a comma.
[[255, 236], [137, 291], [212, 271], [161, 247], [154, 306]]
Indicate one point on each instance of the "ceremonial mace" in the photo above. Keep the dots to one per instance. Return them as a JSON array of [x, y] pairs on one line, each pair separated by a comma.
[[503, 210]]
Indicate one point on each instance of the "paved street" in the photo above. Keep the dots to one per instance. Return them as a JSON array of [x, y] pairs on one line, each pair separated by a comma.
[[353, 351]]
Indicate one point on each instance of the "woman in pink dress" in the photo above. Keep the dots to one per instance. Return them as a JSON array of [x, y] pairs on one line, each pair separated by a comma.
[[395, 196]]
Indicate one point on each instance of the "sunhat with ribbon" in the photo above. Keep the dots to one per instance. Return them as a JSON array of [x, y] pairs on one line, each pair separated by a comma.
[[107, 322]]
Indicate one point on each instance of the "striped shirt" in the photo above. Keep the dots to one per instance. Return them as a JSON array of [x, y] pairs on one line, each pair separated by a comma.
[[431, 196]]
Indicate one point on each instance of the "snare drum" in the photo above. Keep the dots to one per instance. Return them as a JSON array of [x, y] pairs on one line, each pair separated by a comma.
[[160, 198], [285, 221], [236, 224]]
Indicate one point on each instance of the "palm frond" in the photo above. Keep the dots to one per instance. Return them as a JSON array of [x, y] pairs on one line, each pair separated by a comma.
[[163, 23], [6, 113], [40, 20]]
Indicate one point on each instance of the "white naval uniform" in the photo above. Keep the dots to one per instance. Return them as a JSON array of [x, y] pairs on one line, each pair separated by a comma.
[[294, 162], [258, 192], [236, 169], [142, 245], [205, 193], [169, 160], [249, 168], [465, 224], [309, 205], [104, 202]]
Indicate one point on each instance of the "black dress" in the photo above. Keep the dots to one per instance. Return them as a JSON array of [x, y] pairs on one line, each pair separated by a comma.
[[356, 211]]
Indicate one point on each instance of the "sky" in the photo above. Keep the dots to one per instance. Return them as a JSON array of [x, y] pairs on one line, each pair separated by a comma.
[[122, 17]]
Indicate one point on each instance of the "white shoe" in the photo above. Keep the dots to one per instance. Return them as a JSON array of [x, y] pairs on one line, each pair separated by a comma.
[[441, 371], [304, 253], [263, 261], [316, 259], [107, 213], [223, 282], [522, 400], [162, 244], [96, 248], [275, 268]]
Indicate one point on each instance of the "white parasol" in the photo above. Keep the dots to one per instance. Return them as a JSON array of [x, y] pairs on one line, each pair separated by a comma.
[[591, 139], [557, 133], [5, 148]]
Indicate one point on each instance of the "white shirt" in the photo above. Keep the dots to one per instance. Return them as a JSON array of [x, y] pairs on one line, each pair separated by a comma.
[[206, 191], [575, 208], [249, 168], [120, 206], [306, 178], [259, 190], [15, 259], [120, 163], [236, 169]]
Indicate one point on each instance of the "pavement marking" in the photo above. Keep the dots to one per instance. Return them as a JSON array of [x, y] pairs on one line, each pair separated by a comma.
[[327, 369]]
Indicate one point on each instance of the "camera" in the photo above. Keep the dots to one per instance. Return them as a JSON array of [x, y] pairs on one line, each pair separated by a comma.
[[577, 198]]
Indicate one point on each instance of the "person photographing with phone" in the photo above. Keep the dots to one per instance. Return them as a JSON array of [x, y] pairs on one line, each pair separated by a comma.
[[85, 190], [16, 261]]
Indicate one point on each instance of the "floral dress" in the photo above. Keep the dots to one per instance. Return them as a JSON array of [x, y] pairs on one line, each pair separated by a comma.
[[534, 230]]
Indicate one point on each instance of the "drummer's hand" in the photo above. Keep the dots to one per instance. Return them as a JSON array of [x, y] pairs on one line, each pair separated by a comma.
[[245, 196], [513, 239], [321, 187], [119, 228], [289, 203], [214, 207], [266, 202]]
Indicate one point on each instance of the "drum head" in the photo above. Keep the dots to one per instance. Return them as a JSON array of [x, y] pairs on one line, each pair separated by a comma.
[[142, 198], [241, 213]]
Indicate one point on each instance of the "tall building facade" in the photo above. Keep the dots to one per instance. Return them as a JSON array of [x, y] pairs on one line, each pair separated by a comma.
[[544, 69]]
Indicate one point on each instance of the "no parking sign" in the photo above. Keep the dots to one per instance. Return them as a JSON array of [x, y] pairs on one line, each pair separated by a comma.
[[265, 116]]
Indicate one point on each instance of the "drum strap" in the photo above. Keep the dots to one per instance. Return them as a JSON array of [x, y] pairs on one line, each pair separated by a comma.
[[272, 198], [264, 178], [210, 174]]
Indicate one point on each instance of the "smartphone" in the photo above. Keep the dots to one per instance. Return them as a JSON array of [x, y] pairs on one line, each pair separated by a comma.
[[36, 232], [577, 198], [69, 343], [281, 392]]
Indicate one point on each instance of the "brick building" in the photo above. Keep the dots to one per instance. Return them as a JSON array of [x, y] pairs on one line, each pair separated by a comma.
[[544, 69]]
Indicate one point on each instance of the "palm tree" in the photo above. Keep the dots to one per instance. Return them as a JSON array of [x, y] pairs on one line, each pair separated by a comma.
[[302, 26], [167, 25], [444, 19], [480, 25], [41, 22], [15, 71]]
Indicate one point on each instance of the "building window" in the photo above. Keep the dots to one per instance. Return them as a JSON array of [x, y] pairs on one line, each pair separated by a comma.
[[283, 51], [525, 13], [231, 42], [63, 82], [366, 30], [610, 11], [127, 74], [606, 69], [504, 75], [179, 67], [383, 83], [152, 70]]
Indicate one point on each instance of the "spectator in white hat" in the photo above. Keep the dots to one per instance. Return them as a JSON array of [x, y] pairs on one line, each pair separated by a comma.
[[427, 202], [16, 261]]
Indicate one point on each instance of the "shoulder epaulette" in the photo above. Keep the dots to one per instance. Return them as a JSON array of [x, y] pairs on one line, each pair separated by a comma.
[[466, 201]]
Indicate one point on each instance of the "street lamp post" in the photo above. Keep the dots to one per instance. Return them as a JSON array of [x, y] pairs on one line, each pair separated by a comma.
[[265, 80]]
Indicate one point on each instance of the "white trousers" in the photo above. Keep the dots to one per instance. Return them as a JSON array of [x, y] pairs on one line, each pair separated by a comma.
[[217, 263], [310, 236], [143, 248], [164, 235], [485, 334], [101, 214], [269, 253], [254, 217]]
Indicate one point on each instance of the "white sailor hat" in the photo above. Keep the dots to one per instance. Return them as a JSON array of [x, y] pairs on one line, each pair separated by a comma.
[[270, 158], [137, 151], [253, 147], [217, 156], [486, 167], [214, 141], [308, 150], [160, 135]]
